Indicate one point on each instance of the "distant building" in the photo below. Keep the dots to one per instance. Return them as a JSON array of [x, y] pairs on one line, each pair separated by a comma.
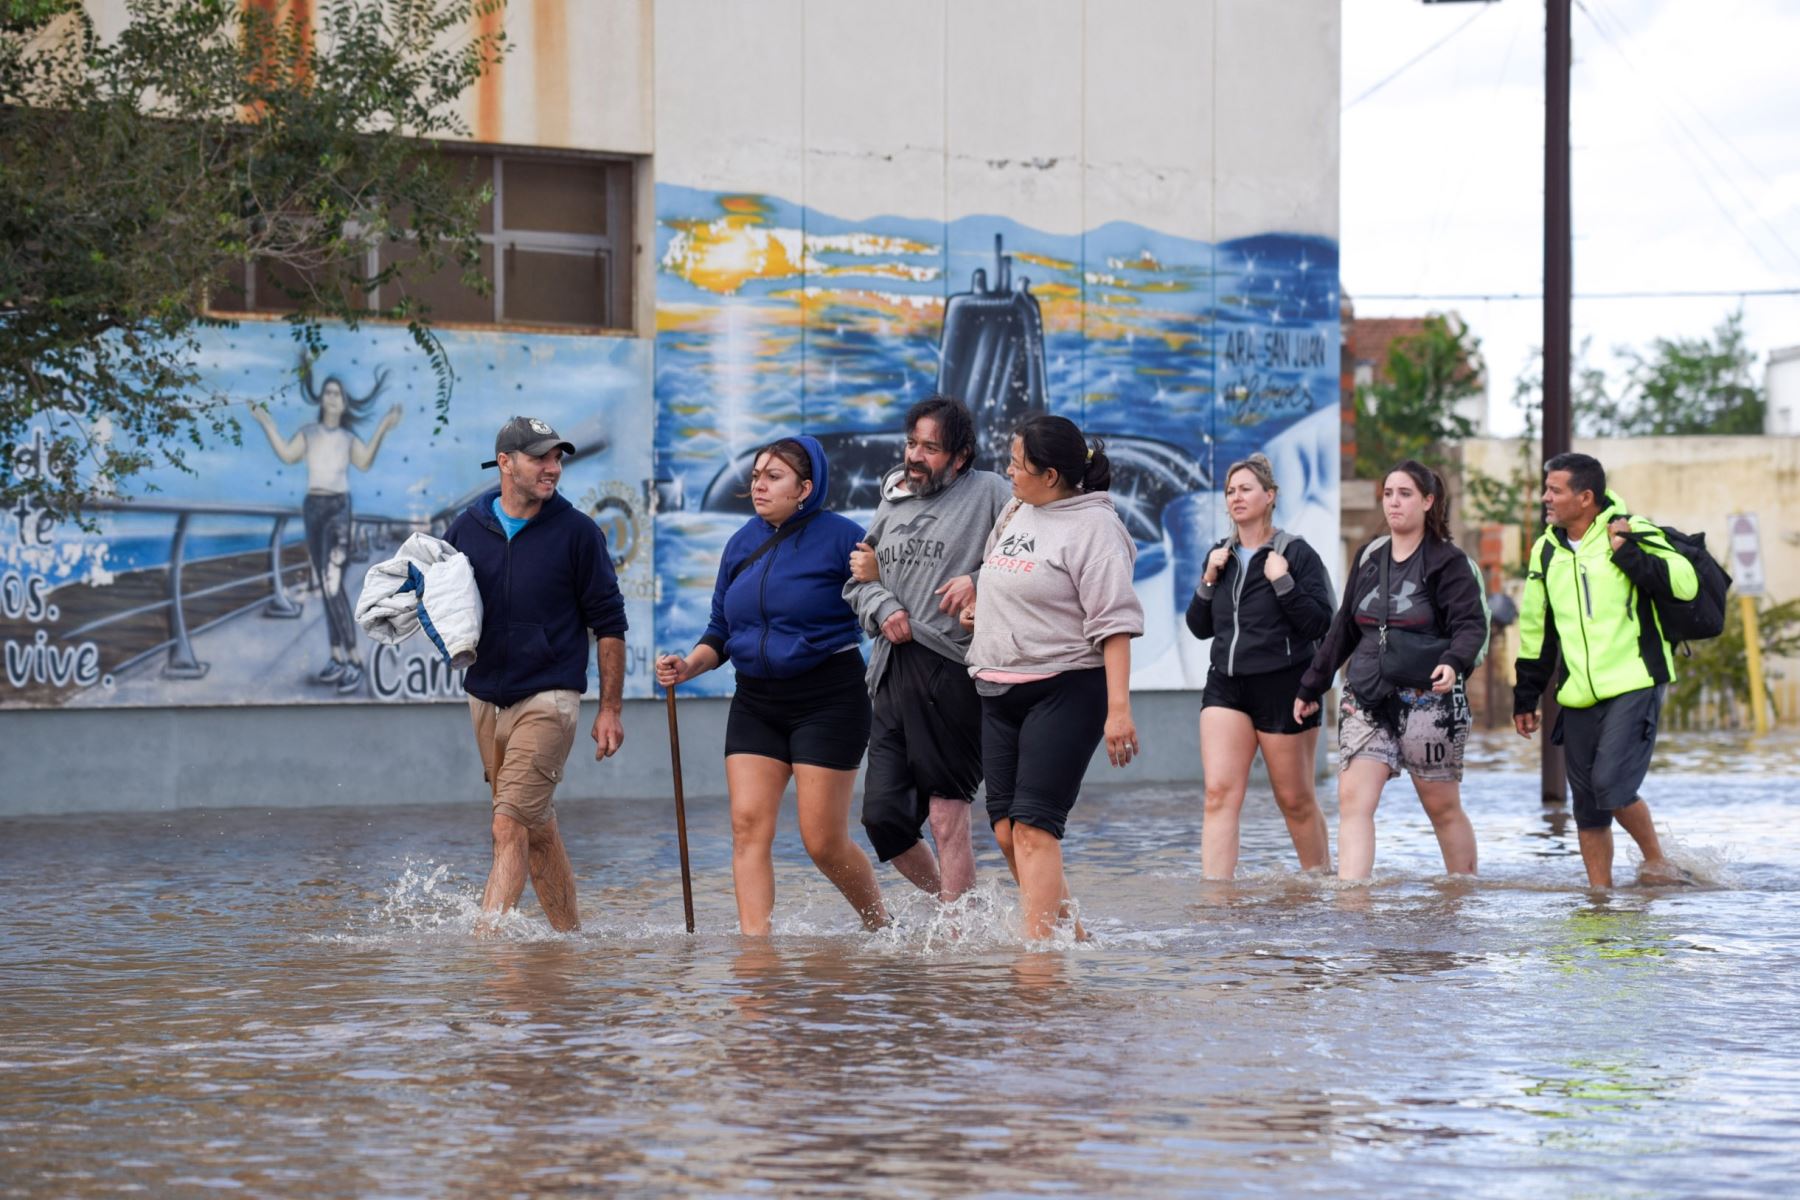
[[1781, 389]]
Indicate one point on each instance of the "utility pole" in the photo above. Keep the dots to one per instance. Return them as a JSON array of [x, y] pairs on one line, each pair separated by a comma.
[[1558, 301]]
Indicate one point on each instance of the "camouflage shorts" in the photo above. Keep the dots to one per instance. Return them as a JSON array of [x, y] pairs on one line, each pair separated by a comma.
[[1433, 731]]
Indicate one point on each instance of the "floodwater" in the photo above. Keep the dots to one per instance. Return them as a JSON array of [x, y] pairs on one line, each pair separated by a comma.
[[289, 1003]]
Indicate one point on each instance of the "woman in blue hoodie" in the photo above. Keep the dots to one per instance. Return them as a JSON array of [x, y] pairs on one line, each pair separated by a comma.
[[801, 709]]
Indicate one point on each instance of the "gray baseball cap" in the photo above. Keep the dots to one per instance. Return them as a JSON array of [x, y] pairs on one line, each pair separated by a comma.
[[527, 435]]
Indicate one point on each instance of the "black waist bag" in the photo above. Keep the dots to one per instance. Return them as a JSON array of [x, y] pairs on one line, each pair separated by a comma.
[[1407, 658]]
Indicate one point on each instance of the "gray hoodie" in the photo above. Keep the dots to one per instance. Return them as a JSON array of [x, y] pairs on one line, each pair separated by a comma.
[[1055, 584], [923, 543]]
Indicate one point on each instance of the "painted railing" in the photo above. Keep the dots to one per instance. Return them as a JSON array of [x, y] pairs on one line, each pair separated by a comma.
[[279, 604]]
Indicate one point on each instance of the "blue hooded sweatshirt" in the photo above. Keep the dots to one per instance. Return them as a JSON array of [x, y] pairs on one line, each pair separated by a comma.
[[540, 594], [786, 614]]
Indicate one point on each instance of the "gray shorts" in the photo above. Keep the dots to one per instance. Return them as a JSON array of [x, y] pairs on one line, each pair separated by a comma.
[[1429, 746], [1607, 750]]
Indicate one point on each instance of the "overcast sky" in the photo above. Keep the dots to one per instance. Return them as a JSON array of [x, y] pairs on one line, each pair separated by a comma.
[[1686, 153]]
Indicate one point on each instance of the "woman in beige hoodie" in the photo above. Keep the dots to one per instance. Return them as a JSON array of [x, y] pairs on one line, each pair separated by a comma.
[[1051, 654]]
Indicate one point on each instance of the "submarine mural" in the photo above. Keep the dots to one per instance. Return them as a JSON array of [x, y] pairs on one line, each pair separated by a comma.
[[991, 356]]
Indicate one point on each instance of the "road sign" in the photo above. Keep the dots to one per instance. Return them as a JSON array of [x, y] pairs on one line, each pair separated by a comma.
[[1746, 565]]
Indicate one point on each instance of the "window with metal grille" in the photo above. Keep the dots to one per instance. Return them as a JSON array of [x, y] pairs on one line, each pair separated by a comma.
[[556, 246]]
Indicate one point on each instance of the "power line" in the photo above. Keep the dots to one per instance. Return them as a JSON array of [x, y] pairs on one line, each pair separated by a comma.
[[1722, 294], [1682, 127], [1415, 59]]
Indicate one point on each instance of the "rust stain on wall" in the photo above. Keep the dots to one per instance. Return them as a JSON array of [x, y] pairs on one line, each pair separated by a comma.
[[549, 52], [489, 105]]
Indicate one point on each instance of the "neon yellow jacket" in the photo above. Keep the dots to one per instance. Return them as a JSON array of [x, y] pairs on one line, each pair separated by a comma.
[[1593, 605]]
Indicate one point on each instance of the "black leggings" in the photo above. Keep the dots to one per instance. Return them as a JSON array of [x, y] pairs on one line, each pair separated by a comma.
[[327, 519], [1036, 742]]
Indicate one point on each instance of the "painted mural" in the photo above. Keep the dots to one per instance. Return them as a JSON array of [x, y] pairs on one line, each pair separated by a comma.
[[231, 585], [234, 584], [775, 319]]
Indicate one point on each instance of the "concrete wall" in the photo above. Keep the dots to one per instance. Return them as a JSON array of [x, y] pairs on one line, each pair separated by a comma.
[[165, 759]]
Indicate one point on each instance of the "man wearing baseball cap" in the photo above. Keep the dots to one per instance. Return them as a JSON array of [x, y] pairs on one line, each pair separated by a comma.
[[546, 580]]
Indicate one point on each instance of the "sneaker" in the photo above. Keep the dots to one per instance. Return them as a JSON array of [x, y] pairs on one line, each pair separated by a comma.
[[334, 671], [351, 680]]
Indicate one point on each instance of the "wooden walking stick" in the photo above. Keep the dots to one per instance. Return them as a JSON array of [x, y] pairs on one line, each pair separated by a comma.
[[687, 880]]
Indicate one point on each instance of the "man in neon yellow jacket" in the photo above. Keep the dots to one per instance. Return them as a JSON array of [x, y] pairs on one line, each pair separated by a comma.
[[1591, 599]]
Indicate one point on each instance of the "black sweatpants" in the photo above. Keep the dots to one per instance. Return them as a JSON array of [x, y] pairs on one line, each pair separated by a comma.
[[925, 742]]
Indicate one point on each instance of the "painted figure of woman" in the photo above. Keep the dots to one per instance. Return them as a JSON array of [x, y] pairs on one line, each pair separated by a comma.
[[330, 447]]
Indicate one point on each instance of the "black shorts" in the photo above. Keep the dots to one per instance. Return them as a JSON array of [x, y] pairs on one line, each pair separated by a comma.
[[1268, 698], [1036, 742], [926, 742], [819, 718], [1607, 750]]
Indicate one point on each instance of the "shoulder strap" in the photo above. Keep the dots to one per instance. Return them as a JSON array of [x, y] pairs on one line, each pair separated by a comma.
[[1386, 561], [1283, 539], [1372, 547], [1548, 553], [787, 530]]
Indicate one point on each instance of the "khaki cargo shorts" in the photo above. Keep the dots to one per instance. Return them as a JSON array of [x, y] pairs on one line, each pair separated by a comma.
[[523, 749]]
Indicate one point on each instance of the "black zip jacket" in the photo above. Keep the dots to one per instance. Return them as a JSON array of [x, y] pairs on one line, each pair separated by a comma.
[[540, 594], [1457, 593], [1257, 626]]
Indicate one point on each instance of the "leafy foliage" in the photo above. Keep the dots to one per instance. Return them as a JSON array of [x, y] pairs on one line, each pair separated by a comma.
[[1683, 386], [1412, 408], [1715, 673], [136, 174]]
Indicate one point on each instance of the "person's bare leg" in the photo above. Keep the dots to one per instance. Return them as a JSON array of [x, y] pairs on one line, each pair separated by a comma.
[[824, 803], [1003, 838], [1635, 819], [506, 879], [552, 878], [1597, 856], [756, 784], [1442, 801], [1290, 758], [1359, 792], [920, 867], [955, 838], [1227, 748], [1043, 890]]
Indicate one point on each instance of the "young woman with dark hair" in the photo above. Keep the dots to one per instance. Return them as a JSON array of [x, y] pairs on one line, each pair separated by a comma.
[[1413, 624], [1051, 653], [330, 446], [1265, 601], [801, 710]]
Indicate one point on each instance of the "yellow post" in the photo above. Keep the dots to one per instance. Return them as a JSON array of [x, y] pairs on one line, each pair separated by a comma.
[[1759, 703]]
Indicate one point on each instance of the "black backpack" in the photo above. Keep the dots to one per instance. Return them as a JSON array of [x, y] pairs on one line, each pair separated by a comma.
[[1682, 620]]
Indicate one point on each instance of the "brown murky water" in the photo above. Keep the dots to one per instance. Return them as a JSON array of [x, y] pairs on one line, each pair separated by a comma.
[[288, 1003]]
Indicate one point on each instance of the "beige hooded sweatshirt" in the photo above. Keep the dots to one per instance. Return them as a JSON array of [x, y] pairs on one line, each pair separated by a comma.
[[1055, 584]]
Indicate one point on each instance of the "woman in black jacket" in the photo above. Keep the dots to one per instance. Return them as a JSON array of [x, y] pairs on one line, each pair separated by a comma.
[[1265, 600], [1413, 624]]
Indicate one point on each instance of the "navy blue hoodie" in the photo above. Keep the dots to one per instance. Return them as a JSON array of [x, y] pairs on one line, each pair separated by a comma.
[[540, 594], [786, 613]]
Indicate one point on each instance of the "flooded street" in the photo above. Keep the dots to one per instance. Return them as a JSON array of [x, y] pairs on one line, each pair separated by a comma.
[[289, 1003]]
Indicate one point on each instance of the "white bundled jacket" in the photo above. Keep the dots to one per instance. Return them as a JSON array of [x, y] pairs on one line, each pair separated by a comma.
[[429, 585]]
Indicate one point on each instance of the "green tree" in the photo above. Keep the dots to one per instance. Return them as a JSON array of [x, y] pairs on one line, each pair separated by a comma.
[[138, 174], [1688, 386], [1411, 408], [1713, 671]]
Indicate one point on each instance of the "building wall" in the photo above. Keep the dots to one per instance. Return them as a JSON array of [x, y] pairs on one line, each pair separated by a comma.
[[818, 182], [1781, 389]]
